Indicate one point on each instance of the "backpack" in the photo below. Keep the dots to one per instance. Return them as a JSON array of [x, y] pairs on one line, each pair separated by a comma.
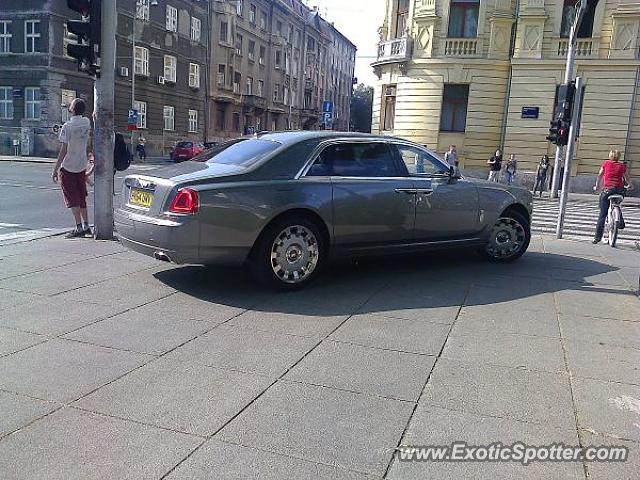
[[121, 154]]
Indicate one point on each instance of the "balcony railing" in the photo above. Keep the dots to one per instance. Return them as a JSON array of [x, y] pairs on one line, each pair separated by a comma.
[[397, 49], [585, 48], [461, 47]]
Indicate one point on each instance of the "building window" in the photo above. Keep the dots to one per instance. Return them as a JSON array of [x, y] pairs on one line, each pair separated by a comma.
[[193, 121], [454, 108], [196, 28], [237, 79], [402, 12], [463, 19], [239, 7], [236, 122], [286, 96], [239, 41], [141, 63], [276, 93], [249, 86], [568, 17], [261, 88], [278, 59], [142, 10], [168, 114], [170, 67], [141, 107], [253, 13], [222, 73], [252, 50], [31, 36], [6, 103], [263, 20], [389, 104], [224, 32], [279, 27], [263, 53], [220, 119], [66, 97], [194, 75], [172, 18], [5, 36], [32, 103]]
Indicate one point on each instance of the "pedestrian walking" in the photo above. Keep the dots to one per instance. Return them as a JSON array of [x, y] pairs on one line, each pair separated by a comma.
[[495, 165], [512, 167], [70, 169], [541, 175], [451, 157], [141, 149], [613, 177]]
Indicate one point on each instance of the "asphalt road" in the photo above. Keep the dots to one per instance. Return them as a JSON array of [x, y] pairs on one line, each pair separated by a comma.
[[30, 201]]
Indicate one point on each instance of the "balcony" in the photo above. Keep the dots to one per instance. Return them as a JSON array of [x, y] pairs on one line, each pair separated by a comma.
[[585, 48], [254, 101], [461, 47], [396, 50]]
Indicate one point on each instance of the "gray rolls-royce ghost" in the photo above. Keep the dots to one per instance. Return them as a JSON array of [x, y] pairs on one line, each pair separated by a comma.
[[286, 203]]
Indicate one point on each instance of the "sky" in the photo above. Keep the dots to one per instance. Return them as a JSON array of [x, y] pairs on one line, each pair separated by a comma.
[[358, 20]]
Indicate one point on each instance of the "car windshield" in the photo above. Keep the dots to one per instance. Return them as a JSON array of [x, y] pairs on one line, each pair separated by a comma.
[[184, 145], [242, 152]]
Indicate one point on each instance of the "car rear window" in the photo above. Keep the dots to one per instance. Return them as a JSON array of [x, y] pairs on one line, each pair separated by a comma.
[[184, 145], [242, 152]]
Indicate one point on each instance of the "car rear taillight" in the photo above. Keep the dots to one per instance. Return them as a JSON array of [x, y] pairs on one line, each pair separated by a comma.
[[185, 201]]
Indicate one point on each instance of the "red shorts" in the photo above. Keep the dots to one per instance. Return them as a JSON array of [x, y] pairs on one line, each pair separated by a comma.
[[74, 188]]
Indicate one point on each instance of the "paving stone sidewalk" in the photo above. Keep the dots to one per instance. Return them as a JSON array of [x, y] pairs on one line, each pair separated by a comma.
[[113, 365]]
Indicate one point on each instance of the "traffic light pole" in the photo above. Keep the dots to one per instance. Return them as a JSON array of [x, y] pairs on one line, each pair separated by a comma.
[[573, 130], [104, 125], [568, 77]]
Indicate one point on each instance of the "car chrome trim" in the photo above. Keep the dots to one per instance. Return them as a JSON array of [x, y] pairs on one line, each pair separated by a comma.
[[419, 244], [406, 190]]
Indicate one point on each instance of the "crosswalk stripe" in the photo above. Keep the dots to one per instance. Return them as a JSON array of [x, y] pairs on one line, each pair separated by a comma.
[[580, 220]]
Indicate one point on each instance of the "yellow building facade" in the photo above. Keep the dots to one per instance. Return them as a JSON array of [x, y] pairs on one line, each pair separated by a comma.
[[482, 74]]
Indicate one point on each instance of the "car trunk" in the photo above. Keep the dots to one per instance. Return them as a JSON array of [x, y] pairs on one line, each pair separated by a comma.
[[150, 194]]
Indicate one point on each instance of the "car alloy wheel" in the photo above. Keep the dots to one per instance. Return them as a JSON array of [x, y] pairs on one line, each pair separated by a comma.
[[294, 254], [508, 239]]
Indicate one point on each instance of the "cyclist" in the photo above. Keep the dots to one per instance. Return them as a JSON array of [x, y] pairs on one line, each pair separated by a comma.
[[613, 177]]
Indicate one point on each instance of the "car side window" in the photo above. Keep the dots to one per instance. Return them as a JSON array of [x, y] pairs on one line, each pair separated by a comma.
[[355, 160], [420, 161]]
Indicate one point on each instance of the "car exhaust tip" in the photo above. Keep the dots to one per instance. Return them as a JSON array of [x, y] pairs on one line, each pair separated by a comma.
[[158, 255]]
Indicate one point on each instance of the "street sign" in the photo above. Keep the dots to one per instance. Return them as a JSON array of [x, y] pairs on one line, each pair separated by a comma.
[[132, 120], [530, 112], [327, 107]]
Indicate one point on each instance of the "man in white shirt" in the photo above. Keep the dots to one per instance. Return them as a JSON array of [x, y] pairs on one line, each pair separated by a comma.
[[451, 157], [70, 169]]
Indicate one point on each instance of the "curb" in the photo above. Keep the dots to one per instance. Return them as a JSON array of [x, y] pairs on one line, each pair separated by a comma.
[[28, 160], [30, 236]]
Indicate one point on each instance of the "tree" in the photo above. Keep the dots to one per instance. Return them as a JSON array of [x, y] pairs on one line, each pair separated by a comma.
[[361, 106]]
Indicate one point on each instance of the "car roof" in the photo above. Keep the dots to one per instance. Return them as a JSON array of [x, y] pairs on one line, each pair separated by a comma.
[[291, 137]]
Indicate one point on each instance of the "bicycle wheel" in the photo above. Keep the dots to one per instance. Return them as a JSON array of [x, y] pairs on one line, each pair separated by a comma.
[[613, 227]]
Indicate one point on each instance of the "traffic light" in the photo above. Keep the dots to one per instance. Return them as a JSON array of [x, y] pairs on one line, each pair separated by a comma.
[[554, 131], [564, 104], [87, 31]]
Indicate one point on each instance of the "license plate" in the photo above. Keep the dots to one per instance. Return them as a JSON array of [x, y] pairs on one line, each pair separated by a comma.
[[140, 198]]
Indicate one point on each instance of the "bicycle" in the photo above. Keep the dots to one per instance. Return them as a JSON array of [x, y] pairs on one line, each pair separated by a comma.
[[614, 216]]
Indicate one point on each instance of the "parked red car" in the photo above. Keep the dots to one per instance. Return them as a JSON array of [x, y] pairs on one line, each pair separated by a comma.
[[186, 151]]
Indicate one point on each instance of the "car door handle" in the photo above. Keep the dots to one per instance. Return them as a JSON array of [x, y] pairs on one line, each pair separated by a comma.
[[410, 191], [425, 191]]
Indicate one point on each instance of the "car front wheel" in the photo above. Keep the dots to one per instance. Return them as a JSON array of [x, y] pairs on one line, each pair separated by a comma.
[[288, 254], [509, 238]]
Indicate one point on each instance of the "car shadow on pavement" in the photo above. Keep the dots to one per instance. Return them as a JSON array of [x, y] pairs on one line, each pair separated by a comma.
[[416, 282]]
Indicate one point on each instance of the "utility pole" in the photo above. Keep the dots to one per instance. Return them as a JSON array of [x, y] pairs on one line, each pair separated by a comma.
[[581, 7], [573, 130], [104, 125]]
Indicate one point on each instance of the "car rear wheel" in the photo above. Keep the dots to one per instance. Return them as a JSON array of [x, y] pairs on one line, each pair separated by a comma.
[[509, 238], [288, 254]]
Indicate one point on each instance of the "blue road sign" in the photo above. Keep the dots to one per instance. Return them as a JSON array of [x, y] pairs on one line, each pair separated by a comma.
[[327, 107]]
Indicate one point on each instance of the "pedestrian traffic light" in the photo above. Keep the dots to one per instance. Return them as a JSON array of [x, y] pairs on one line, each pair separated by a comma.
[[554, 131], [87, 31], [564, 104]]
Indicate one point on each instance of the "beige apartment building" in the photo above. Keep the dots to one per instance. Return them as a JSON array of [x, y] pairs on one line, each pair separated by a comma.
[[482, 74], [273, 63]]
